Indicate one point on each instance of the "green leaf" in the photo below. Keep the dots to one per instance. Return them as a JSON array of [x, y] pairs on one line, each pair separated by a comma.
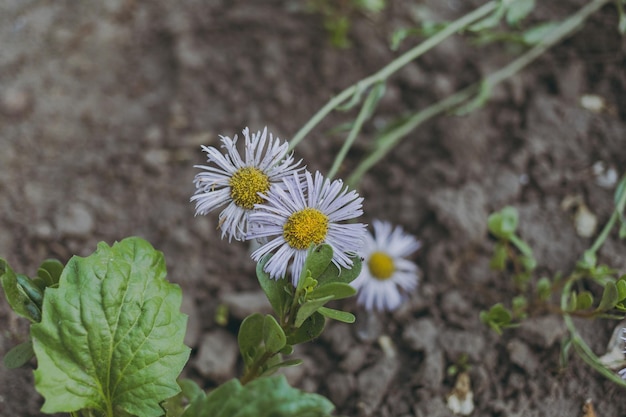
[[621, 288], [43, 279], [284, 364], [537, 34], [273, 335], [308, 330], [18, 299], [190, 389], [588, 260], [498, 260], [31, 289], [502, 224], [584, 300], [490, 21], [19, 355], [318, 259], [498, 317], [277, 290], [266, 396], [518, 10], [544, 288], [338, 315], [111, 335], [54, 269], [610, 297], [310, 307], [250, 337], [338, 290], [334, 274]]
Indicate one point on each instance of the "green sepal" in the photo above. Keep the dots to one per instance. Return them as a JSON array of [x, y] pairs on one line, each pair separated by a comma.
[[338, 315], [308, 330], [273, 335], [278, 291], [250, 337], [19, 355], [265, 396], [17, 297], [309, 307]]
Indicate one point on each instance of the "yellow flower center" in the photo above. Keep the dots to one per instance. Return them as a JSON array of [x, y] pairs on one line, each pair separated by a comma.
[[304, 227], [245, 184], [381, 265]]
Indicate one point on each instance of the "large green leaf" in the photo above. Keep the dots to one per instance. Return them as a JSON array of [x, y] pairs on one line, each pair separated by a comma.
[[263, 397], [111, 335]]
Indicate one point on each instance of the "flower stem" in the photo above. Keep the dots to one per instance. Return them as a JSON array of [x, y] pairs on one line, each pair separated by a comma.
[[583, 350], [619, 207], [253, 371], [392, 67], [391, 139]]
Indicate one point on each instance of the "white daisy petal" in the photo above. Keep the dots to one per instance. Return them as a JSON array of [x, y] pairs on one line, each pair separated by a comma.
[[302, 219], [241, 182], [387, 276]]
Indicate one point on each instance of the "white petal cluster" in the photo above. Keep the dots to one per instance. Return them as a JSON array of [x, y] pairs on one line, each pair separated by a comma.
[[330, 198], [387, 293], [213, 185]]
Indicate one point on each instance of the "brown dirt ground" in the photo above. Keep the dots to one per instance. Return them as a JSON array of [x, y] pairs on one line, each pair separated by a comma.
[[104, 107]]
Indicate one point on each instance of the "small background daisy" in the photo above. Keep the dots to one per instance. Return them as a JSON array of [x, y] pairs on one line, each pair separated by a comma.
[[387, 276], [237, 182], [302, 213]]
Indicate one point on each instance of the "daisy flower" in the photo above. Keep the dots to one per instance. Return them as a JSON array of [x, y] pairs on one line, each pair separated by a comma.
[[387, 275], [295, 221], [238, 183]]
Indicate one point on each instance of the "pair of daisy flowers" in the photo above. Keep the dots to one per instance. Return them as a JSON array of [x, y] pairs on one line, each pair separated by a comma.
[[269, 198]]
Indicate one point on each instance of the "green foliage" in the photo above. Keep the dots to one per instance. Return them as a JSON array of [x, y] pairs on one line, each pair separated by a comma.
[[300, 311], [19, 355], [111, 335], [498, 318], [265, 396], [503, 224], [23, 295]]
